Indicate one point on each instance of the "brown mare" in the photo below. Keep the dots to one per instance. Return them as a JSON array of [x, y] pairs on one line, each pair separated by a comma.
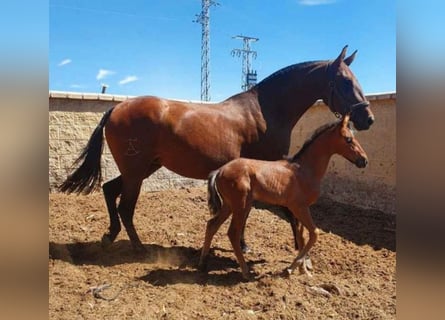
[[193, 139], [293, 183]]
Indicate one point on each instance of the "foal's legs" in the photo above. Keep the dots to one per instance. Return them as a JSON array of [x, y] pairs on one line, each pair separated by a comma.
[[297, 231], [244, 247], [305, 218], [112, 189], [294, 223], [212, 227], [235, 230], [290, 218]]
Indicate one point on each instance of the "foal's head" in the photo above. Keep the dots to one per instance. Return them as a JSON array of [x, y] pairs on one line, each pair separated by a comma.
[[345, 144]]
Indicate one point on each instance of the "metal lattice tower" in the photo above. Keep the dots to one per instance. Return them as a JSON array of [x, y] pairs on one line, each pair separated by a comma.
[[204, 19], [248, 77]]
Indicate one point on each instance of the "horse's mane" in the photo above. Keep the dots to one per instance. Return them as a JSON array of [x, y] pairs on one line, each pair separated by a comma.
[[309, 141], [289, 69]]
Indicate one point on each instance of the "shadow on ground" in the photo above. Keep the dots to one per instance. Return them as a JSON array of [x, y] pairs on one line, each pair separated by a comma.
[[359, 225]]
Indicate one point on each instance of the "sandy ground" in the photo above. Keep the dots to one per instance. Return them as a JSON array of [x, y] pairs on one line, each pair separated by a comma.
[[354, 260]]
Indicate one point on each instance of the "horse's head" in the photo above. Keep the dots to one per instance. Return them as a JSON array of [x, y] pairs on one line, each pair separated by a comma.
[[344, 94], [347, 145]]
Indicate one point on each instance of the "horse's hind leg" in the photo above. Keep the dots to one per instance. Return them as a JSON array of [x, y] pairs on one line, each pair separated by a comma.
[[130, 193], [112, 189], [235, 231], [244, 247], [212, 227]]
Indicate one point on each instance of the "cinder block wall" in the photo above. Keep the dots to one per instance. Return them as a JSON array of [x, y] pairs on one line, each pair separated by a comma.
[[73, 117]]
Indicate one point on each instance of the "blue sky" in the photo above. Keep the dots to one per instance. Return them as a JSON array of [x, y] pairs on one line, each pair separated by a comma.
[[152, 47]]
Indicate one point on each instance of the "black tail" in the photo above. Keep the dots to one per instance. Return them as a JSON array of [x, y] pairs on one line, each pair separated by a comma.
[[213, 199], [86, 176]]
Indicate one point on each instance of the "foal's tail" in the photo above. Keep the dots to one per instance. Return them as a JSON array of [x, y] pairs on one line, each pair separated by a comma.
[[86, 176], [213, 199]]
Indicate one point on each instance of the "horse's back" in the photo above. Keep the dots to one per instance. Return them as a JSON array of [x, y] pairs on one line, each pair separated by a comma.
[[190, 139]]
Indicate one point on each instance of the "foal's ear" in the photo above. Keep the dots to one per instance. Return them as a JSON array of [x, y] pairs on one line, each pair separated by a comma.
[[340, 58], [349, 59], [345, 121]]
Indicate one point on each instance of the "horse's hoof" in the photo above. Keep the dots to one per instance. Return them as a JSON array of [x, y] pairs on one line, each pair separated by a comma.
[[202, 267], [305, 271], [247, 278], [309, 263], [246, 249], [106, 241], [287, 272]]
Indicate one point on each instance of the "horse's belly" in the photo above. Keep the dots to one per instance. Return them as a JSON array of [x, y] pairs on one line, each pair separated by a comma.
[[191, 167]]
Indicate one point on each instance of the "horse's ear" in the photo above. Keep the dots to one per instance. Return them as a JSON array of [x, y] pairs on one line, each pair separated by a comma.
[[340, 58], [349, 59]]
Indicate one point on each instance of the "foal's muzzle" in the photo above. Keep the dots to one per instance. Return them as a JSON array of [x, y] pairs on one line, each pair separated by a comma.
[[361, 162]]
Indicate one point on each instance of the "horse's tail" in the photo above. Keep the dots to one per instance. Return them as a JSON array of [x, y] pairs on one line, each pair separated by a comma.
[[86, 176], [213, 199]]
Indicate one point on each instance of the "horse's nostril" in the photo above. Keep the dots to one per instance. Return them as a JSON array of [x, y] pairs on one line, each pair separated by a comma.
[[362, 162], [370, 120]]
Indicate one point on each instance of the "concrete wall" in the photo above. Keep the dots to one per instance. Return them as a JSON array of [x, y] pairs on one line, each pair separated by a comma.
[[373, 186], [73, 117]]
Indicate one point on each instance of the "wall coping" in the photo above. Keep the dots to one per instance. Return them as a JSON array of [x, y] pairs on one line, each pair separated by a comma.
[[120, 98]]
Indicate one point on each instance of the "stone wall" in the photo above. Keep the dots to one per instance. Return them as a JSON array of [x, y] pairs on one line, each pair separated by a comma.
[[73, 117]]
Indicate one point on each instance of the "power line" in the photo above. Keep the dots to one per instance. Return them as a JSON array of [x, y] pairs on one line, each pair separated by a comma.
[[248, 76], [204, 19]]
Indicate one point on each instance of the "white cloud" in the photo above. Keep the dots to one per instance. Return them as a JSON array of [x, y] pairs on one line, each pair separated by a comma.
[[103, 73], [128, 79], [64, 62], [315, 2]]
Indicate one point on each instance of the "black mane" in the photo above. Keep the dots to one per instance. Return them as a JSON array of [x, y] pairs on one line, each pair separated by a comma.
[[284, 72], [309, 141]]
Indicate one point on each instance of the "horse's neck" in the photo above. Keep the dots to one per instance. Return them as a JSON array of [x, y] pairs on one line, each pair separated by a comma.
[[291, 99], [314, 161]]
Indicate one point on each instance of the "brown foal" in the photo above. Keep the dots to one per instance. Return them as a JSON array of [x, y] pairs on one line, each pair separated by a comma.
[[293, 183]]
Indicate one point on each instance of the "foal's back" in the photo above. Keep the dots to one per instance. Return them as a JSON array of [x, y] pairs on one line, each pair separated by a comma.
[[273, 182]]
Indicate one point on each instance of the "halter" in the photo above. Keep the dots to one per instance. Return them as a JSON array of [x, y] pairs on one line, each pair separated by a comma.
[[333, 89]]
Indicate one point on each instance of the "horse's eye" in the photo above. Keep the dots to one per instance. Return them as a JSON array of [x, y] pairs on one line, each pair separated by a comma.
[[348, 85], [348, 139]]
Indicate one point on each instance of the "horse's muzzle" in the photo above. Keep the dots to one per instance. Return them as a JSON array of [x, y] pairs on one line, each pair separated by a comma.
[[362, 117], [361, 162]]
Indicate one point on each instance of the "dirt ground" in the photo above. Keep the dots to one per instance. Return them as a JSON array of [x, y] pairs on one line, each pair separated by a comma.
[[354, 260]]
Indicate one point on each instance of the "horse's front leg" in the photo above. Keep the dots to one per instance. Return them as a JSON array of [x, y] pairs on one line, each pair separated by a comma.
[[297, 231], [301, 260]]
